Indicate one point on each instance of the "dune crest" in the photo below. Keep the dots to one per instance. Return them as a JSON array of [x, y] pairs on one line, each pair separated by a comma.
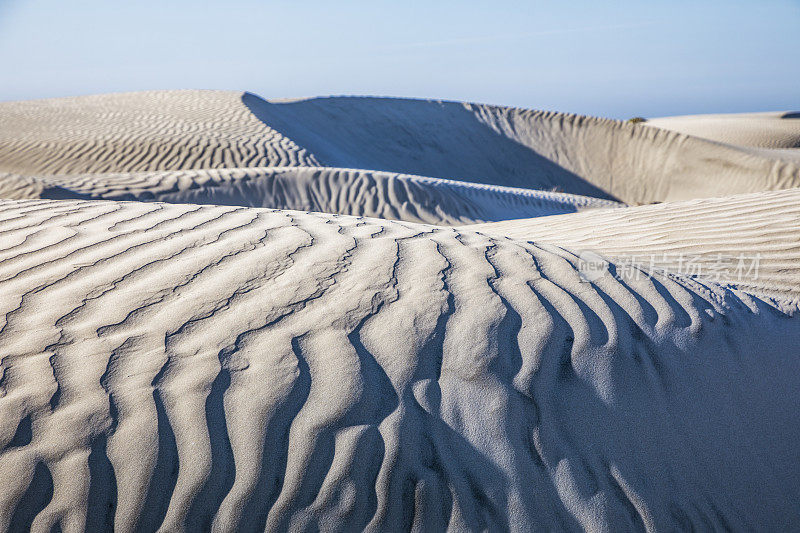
[[329, 190], [181, 130], [779, 130], [286, 370], [708, 237]]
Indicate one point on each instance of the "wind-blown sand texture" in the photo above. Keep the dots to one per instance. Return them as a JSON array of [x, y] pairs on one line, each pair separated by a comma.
[[181, 130], [166, 365], [330, 190], [709, 232], [763, 130]]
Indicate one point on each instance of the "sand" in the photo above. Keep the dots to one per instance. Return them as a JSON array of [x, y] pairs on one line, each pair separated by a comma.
[[181, 130], [224, 313], [717, 238], [778, 130], [322, 189]]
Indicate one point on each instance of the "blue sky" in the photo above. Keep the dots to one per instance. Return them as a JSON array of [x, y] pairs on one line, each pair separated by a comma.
[[616, 59]]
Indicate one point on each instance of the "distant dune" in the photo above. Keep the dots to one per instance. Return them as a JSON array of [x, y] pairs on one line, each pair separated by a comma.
[[224, 313], [180, 130], [763, 130]]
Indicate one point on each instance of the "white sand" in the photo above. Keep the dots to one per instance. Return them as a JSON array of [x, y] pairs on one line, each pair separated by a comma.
[[779, 130], [178, 130], [706, 237], [172, 366], [308, 369], [329, 190]]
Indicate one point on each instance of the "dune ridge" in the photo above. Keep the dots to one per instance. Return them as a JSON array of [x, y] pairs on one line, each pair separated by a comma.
[[778, 130], [583, 155], [180, 130], [147, 131], [242, 368], [324, 189], [219, 312], [706, 236]]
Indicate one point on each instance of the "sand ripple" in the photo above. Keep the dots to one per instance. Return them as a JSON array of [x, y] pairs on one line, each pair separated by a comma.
[[177, 366], [171, 365]]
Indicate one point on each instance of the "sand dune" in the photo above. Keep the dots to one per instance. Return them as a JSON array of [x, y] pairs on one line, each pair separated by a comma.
[[328, 190], [14, 187], [179, 130], [779, 130], [523, 148], [720, 238], [243, 368], [158, 130], [167, 365]]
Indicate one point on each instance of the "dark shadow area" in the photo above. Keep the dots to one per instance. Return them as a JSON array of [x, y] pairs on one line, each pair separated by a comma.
[[378, 401], [427, 138], [165, 473], [102, 500], [220, 479], [276, 450], [35, 499], [24, 433]]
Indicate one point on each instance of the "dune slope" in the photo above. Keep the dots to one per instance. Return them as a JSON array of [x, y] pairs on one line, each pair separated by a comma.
[[329, 190], [237, 368], [166, 364], [523, 148], [129, 132], [180, 130], [750, 240], [779, 130]]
